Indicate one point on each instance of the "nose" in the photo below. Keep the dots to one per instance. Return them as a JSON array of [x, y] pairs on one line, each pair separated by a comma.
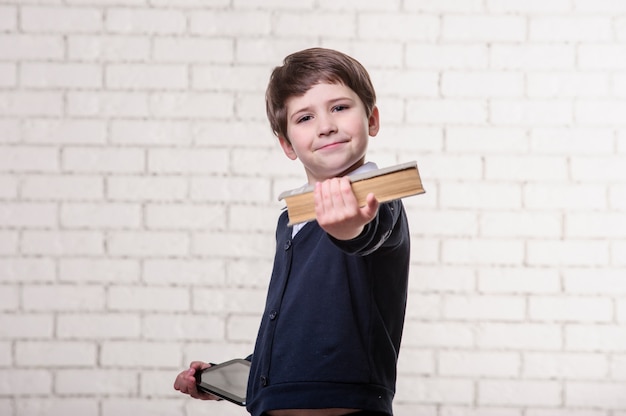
[[326, 125]]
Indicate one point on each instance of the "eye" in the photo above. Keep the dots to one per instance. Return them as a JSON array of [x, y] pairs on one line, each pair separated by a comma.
[[340, 107], [303, 119]]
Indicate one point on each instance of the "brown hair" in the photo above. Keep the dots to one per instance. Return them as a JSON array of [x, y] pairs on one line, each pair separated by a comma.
[[302, 70]]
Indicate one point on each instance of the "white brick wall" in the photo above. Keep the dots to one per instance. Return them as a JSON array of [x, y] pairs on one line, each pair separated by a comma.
[[138, 184]]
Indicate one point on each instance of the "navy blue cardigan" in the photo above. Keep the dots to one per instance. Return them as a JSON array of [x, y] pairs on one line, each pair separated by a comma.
[[331, 330]]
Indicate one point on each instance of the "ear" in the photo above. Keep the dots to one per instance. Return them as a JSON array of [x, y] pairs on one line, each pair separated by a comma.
[[374, 122], [287, 148]]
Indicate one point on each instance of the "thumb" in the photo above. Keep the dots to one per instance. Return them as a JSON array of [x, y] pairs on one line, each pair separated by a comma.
[[371, 206]]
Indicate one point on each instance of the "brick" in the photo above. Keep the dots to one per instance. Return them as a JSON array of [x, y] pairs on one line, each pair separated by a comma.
[[28, 215], [484, 28], [531, 112], [65, 187], [569, 29], [183, 328], [66, 20], [8, 18], [441, 279], [618, 367], [250, 106], [28, 159], [146, 77], [602, 56], [599, 6], [530, 56], [574, 309], [482, 411], [98, 326], [229, 78], [253, 218], [304, 5], [10, 131], [8, 75], [481, 308], [368, 52], [436, 390], [193, 50], [26, 326], [20, 382], [410, 138], [486, 140], [9, 298], [108, 48], [204, 161], [600, 112], [416, 362], [63, 298], [107, 104], [564, 196], [564, 366], [595, 338], [246, 301], [447, 57], [146, 21], [25, 269], [425, 251], [568, 253], [64, 131], [6, 355], [297, 24], [241, 328], [572, 140], [101, 381], [232, 245], [408, 27], [192, 106], [529, 7], [519, 393], [139, 354], [594, 281], [527, 168], [446, 111], [519, 336], [521, 224], [99, 270], [570, 85], [617, 196], [98, 216], [230, 189], [406, 83], [618, 252], [598, 169], [30, 47], [437, 334], [56, 406], [231, 23], [8, 187], [478, 364], [147, 188], [8, 242], [369, 6], [148, 244], [116, 405], [135, 298], [31, 103], [424, 307], [595, 225], [482, 84], [55, 354], [480, 195], [63, 242], [150, 133], [447, 223], [198, 272], [521, 280], [445, 6], [106, 159], [185, 216], [596, 395], [62, 75]]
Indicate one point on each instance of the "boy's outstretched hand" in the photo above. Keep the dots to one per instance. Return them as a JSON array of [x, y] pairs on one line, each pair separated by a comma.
[[186, 382], [337, 209]]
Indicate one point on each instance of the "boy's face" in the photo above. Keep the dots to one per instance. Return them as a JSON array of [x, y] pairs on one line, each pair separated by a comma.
[[328, 131]]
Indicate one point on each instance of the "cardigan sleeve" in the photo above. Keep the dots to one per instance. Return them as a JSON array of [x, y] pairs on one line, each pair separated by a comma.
[[386, 230]]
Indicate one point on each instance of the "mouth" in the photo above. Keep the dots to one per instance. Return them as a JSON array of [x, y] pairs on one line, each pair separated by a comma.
[[333, 145]]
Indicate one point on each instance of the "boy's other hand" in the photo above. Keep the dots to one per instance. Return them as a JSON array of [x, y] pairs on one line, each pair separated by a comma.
[[337, 209], [186, 382]]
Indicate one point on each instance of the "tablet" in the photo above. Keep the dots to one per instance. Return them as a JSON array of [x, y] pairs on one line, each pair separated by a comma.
[[228, 380]]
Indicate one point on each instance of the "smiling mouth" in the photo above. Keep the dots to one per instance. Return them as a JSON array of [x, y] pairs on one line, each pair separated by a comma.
[[332, 145]]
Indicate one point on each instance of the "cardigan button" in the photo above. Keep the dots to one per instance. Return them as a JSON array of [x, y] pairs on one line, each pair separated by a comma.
[[263, 381], [287, 245], [273, 315]]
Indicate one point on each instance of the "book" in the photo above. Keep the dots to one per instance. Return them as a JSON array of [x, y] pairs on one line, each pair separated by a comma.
[[386, 184]]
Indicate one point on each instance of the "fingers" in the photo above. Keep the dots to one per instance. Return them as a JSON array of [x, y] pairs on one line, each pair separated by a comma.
[[185, 381]]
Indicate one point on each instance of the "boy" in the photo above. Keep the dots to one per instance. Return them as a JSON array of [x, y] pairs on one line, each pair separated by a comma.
[[330, 335]]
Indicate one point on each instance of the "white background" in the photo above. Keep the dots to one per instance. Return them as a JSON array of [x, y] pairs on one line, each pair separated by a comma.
[[138, 185]]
